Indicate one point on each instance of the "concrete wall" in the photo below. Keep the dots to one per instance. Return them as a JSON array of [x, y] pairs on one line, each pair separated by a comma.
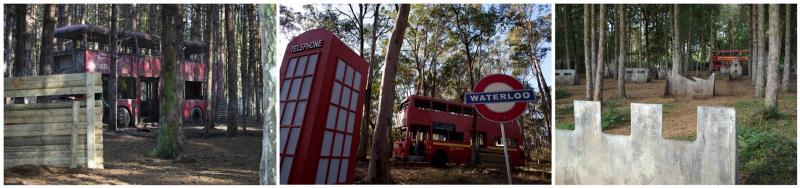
[[566, 77], [734, 71], [588, 156], [637, 75], [695, 87]]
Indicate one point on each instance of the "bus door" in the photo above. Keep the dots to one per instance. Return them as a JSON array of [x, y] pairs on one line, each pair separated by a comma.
[[149, 104], [419, 140], [481, 139]]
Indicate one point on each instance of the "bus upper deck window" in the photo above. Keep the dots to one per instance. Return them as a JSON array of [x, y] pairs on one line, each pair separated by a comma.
[[422, 104], [440, 106], [454, 109]]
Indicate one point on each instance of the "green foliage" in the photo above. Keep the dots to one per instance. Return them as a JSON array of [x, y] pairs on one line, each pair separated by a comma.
[[613, 118], [766, 158], [562, 93], [566, 111], [565, 125]]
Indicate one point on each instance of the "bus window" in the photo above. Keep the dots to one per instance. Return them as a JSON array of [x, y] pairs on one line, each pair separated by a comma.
[[454, 109], [193, 90], [469, 111], [126, 87], [440, 106], [446, 132], [422, 104]]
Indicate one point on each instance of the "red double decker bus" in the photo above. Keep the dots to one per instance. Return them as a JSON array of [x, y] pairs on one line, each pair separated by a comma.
[[439, 131], [138, 66], [724, 58]]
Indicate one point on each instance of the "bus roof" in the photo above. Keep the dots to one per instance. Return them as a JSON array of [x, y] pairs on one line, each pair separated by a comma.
[[194, 47], [100, 34]]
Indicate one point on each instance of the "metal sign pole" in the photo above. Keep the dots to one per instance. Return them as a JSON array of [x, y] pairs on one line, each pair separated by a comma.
[[505, 152]]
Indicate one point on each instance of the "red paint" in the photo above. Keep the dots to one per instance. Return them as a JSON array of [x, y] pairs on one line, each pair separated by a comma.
[[724, 58], [309, 144], [484, 111], [459, 152]]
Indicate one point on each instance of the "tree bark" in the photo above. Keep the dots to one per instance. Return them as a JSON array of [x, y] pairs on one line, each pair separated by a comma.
[[364, 144], [587, 60], [676, 42], [46, 48], [233, 110], [378, 171], [773, 77], [622, 49], [760, 66], [169, 122], [113, 82], [243, 66], [254, 61], [267, 170], [593, 53], [598, 82], [787, 49], [211, 31]]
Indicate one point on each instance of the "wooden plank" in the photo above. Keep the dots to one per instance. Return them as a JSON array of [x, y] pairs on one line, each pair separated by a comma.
[[11, 121], [18, 81], [43, 113], [74, 137], [48, 84], [64, 161], [49, 140], [16, 130], [42, 148], [52, 91], [90, 133], [39, 154], [50, 105]]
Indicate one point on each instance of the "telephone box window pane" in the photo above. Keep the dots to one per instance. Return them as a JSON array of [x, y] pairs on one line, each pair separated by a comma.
[[345, 97], [348, 139], [331, 123], [312, 64], [351, 122], [301, 66], [286, 169], [335, 93], [342, 115], [306, 87], [290, 68], [322, 168], [340, 70], [326, 144], [357, 81], [348, 80], [353, 101], [293, 137], [333, 171], [343, 171], [285, 88], [295, 88], [287, 114], [300, 113], [284, 135], [337, 145]]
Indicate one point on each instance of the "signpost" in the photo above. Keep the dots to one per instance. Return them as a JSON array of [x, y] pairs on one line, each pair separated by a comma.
[[500, 98]]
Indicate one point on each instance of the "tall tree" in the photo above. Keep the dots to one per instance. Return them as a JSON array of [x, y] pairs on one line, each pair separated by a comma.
[[773, 77], [587, 57], [113, 82], [254, 62], [598, 80], [622, 44], [233, 110], [243, 65], [267, 170], [48, 27], [363, 145], [212, 23], [760, 63], [22, 54], [676, 42], [787, 49], [168, 145], [378, 171]]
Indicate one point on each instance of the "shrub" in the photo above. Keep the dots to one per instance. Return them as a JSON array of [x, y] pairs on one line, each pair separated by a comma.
[[561, 93], [766, 158]]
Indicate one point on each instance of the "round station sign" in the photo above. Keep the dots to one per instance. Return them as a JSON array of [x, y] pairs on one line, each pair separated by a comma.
[[499, 98]]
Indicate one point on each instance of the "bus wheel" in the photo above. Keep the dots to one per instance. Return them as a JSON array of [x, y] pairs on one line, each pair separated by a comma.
[[439, 159], [123, 117], [197, 115]]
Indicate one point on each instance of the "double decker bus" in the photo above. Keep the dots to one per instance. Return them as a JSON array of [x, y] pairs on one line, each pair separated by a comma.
[[725, 58], [138, 65], [437, 131]]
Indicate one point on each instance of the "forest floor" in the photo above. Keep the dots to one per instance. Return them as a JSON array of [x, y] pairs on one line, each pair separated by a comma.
[[766, 139], [409, 173], [217, 160]]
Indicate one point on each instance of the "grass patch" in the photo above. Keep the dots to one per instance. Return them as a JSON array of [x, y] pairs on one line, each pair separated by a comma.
[[566, 111], [562, 93], [766, 158], [565, 126], [613, 118]]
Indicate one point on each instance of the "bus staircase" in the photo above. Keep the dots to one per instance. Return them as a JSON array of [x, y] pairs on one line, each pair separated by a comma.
[[492, 159], [222, 110]]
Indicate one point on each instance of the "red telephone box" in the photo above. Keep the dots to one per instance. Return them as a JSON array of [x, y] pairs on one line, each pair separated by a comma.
[[322, 84]]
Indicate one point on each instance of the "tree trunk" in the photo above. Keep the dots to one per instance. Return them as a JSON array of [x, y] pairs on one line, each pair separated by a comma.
[[593, 53], [598, 82], [566, 37], [773, 77], [22, 48], [233, 110], [253, 58], [378, 171], [760, 66], [364, 144], [754, 43], [267, 172], [7, 28], [113, 82], [243, 65], [621, 50], [587, 60], [212, 22], [676, 42], [787, 49], [48, 27], [169, 122]]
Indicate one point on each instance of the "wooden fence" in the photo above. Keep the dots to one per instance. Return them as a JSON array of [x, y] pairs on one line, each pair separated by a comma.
[[68, 133]]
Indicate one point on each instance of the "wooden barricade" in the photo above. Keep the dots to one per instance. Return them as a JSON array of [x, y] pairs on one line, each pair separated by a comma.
[[57, 133]]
